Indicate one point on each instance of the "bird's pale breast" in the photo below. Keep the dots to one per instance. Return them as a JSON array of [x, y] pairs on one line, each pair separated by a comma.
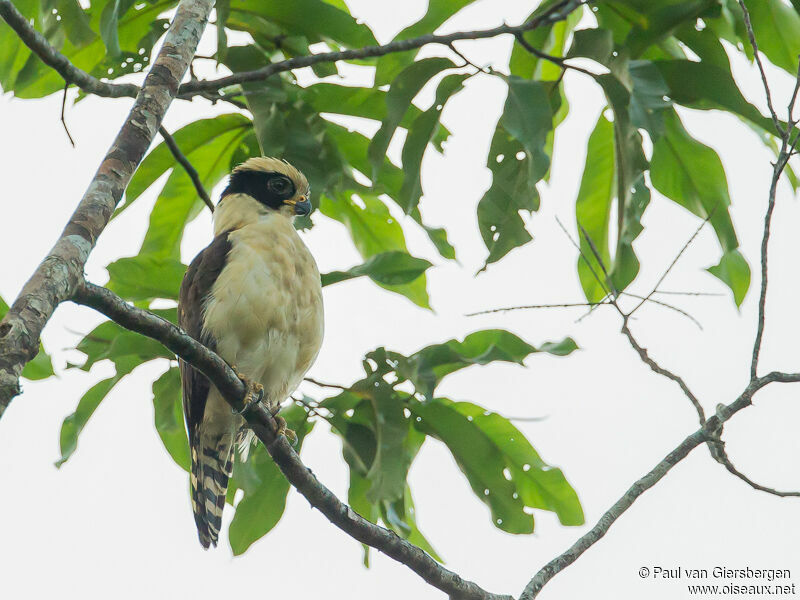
[[265, 309]]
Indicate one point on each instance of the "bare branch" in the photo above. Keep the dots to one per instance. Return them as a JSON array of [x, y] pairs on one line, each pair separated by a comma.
[[534, 306], [671, 307], [324, 384], [187, 166], [721, 456], [704, 434], [53, 58], [263, 424], [762, 300], [751, 34], [59, 273], [674, 262], [63, 121], [556, 60], [50, 56], [642, 352]]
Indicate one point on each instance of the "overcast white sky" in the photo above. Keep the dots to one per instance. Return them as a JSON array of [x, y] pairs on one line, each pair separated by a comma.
[[115, 520]]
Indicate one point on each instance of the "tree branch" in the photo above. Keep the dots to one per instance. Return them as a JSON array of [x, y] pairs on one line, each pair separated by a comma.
[[721, 456], [642, 352], [187, 166], [52, 57], [704, 434], [59, 273], [263, 424], [752, 36]]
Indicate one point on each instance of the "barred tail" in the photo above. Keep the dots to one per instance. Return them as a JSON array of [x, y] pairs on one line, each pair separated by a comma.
[[211, 469]]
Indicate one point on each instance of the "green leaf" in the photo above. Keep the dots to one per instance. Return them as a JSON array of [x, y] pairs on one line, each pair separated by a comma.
[[374, 231], [190, 138], [438, 12], [503, 468], [265, 488], [401, 518], [479, 459], [357, 500], [223, 8], [777, 30], [734, 272], [539, 485], [168, 406], [593, 209], [402, 91], [40, 366], [109, 21], [313, 19], [179, 203], [426, 368], [145, 277], [707, 86], [419, 136], [518, 161], [595, 43], [388, 268], [389, 469], [691, 174], [113, 342], [660, 21], [368, 103], [73, 425]]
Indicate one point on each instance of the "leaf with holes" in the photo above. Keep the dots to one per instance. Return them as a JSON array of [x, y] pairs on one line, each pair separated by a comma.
[[518, 161]]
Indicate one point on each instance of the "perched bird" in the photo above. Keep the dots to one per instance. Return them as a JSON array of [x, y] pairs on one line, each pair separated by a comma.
[[253, 296]]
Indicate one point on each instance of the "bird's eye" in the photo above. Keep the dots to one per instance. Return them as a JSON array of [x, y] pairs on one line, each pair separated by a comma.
[[279, 185]]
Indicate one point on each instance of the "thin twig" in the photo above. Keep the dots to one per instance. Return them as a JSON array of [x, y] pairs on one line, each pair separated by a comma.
[[721, 456], [672, 307], [534, 306], [468, 62], [556, 60], [674, 262], [751, 34], [585, 260], [260, 420], [327, 385], [187, 166], [793, 99], [675, 293], [63, 108], [642, 352]]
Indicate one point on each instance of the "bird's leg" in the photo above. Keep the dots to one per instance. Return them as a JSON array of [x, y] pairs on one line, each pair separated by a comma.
[[254, 394], [282, 430]]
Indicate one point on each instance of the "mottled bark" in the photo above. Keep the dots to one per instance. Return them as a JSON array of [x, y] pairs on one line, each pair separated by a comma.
[[57, 276]]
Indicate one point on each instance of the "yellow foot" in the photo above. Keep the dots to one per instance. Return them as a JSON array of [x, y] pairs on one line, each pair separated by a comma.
[[283, 430], [254, 394]]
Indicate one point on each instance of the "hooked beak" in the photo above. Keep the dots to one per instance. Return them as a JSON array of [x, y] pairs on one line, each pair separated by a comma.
[[303, 207]]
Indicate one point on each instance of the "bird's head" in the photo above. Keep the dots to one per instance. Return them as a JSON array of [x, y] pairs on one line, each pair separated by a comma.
[[273, 183]]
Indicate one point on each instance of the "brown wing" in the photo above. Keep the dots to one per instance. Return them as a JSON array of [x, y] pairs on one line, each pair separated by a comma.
[[195, 288]]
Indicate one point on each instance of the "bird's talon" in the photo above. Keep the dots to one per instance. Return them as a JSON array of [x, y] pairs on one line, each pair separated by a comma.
[[284, 431], [254, 394]]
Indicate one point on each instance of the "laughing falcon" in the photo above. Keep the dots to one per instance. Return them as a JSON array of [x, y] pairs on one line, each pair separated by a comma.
[[253, 296]]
